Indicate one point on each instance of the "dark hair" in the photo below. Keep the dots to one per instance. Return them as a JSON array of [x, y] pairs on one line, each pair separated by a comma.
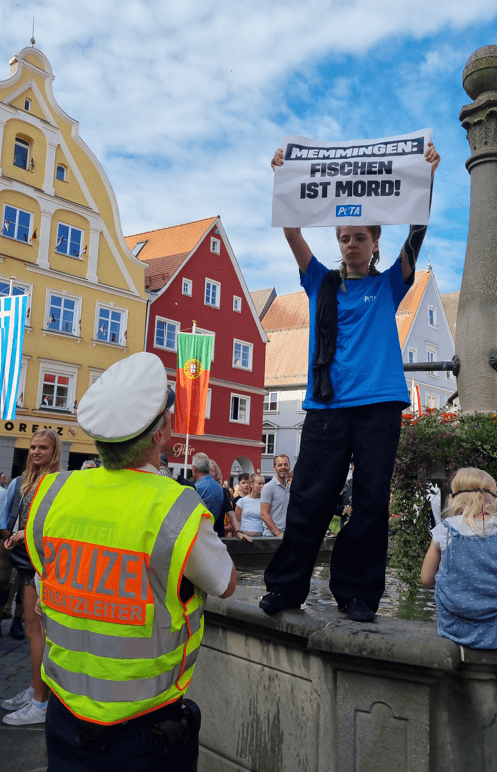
[[243, 476], [375, 231]]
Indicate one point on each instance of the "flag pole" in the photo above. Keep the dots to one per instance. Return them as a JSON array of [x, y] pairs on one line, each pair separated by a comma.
[[11, 284], [194, 327]]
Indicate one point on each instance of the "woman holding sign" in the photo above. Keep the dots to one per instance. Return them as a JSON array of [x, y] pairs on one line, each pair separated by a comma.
[[356, 391]]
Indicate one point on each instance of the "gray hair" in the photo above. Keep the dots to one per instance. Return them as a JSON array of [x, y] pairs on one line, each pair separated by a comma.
[[202, 462], [88, 464]]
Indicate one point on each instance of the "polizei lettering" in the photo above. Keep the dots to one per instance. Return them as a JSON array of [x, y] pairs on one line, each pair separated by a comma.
[[95, 581]]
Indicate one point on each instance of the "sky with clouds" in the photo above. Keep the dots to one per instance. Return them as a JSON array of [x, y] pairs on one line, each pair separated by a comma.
[[185, 102]]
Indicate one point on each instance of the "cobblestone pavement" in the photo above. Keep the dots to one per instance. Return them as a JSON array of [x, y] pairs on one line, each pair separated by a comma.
[[22, 747]]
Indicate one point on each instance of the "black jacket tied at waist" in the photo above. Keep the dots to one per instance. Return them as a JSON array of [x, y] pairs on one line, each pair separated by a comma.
[[326, 336]]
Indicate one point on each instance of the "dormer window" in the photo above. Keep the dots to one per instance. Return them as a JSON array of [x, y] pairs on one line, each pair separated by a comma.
[[21, 153], [27, 105], [138, 248], [61, 173]]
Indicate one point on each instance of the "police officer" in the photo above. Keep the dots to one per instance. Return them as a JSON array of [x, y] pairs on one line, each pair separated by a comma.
[[126, 558]]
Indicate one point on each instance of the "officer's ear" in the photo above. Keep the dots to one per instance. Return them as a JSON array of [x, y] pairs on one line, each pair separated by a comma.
[[159, 436]]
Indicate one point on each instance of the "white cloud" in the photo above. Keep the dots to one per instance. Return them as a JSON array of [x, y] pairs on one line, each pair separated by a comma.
[[184, 103]]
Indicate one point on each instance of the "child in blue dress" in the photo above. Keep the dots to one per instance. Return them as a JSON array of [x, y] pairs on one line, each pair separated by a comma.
[[462, 560]]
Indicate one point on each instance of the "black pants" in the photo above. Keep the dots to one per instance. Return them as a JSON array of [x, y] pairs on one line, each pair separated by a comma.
[[139, 745], [329, 438]]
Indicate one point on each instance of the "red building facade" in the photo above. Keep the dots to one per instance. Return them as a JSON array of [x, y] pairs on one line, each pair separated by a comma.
[[193, 276]]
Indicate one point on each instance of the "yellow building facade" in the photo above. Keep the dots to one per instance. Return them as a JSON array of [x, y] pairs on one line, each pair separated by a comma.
[[61, 238]]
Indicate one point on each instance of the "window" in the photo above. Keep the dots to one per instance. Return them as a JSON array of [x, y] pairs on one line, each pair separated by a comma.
[[18, 288], [411, 355], [448, 375], [432, 316], [187, 287], [209, 402], [200, 331], [268, 440], [63, 313], [240, 409], [270, 401], [301, 400], [69, 240], [16, 224], [61, 173], [138, 248], [55, 391], [27, 104], [21, 153], [95, 375], [242, 355], [212, 293], [299, 437], [111, 324], [215, 246], [237, 304], [166, 334], [57, 387], [431, 356]]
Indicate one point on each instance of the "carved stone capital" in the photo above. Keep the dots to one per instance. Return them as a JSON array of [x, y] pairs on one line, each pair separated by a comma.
[[482, 134]]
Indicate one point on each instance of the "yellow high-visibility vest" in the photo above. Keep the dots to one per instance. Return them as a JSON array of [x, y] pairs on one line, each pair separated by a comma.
[[111, 548]]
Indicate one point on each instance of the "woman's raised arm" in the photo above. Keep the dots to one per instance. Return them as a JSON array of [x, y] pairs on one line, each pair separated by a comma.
[[297, 243]]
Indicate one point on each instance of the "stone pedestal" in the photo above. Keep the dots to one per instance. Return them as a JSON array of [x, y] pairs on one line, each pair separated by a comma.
[[476, 331]]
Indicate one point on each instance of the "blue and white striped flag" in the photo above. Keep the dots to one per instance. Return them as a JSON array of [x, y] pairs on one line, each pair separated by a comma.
[[12, 321]]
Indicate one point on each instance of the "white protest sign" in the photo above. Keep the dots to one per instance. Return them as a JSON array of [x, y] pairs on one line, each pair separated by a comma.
[[371, 181]]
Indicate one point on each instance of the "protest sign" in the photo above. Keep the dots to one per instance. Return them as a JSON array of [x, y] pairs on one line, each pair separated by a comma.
[[371, 182]]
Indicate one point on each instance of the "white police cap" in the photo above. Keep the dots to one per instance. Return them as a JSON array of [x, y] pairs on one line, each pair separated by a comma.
[[127, 399]]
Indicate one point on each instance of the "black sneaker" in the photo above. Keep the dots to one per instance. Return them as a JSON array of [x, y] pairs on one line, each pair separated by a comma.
[[275, 602], [359, 611], [16, 629]]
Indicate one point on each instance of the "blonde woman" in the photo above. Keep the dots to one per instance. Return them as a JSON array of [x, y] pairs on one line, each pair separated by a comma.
[[248, 509], [462, 559], [43, 458], [226, 524]]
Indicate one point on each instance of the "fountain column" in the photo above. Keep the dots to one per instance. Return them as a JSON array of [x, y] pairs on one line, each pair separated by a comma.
[[476, 331]]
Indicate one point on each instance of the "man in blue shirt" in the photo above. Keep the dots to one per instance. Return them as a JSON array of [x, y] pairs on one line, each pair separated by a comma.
[[207, 488]]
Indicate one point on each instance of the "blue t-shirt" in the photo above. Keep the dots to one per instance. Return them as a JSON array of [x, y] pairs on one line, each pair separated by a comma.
[[251, 514], [367, 367], [211, 494]]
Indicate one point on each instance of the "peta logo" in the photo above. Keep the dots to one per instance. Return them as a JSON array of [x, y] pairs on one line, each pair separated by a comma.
[[369, 298], [348, 211]]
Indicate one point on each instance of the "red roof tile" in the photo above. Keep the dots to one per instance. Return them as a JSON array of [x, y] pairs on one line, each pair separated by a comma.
[[287, 312], [166, 248]]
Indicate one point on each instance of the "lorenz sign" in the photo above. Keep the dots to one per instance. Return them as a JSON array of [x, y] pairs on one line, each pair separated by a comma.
[[25, 428]]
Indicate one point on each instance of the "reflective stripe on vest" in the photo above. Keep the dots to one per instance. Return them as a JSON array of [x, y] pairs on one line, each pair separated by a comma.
[[116, 627]]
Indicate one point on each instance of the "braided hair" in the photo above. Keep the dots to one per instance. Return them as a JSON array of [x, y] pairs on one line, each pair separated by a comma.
[[375, 231]]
